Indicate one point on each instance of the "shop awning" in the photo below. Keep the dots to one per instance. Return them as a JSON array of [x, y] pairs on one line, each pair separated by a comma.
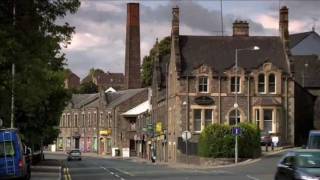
[[141, 108]]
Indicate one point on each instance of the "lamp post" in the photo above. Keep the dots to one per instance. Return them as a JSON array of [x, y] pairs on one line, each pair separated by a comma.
[[236, 106]]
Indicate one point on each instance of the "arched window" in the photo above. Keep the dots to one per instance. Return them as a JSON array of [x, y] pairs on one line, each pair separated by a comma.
[[261, 83], [272, 83], [234, 116]]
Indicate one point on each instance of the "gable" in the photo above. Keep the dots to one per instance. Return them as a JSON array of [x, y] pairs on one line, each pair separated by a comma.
[[308, 46]]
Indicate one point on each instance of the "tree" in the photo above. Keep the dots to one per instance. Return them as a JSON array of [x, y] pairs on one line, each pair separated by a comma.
[[32, 40], [147, 64], [88, 88]]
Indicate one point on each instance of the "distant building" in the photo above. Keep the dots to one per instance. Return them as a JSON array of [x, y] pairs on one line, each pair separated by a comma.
[[94, 122], [71, 81], [306, 43], [105, 80]]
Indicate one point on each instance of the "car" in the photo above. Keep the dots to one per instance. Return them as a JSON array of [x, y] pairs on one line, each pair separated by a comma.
[[314, 140], [302, 164], [14, 161], [74, 154]]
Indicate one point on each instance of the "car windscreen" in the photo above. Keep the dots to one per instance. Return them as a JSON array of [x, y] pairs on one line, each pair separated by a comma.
[[7, 149], [314, 141], [308, 159]]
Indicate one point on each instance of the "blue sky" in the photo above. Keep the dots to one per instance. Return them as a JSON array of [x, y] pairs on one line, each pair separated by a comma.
[[99, 41]]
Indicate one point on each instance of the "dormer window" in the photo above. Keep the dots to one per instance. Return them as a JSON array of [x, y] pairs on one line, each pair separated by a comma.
[[272, 83], [203, 84], [261, 84], [235, 84]]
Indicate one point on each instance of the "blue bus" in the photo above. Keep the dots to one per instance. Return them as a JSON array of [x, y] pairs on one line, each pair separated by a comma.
[[13, 162]]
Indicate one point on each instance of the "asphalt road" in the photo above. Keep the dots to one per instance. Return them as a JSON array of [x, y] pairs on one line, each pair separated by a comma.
[[91, 168]]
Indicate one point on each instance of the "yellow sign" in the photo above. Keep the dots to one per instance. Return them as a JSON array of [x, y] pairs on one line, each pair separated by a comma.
[[159, 127], [106, 132]]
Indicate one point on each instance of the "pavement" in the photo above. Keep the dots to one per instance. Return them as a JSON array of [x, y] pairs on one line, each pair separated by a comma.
[[96, 167]]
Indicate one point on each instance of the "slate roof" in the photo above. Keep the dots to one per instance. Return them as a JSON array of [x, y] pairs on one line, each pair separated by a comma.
[[116, 98], [307, 76], [219, 52], [294, 39], [79, 100]]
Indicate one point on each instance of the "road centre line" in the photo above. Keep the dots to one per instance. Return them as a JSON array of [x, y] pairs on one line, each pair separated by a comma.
[[251, 177], [66, 173]]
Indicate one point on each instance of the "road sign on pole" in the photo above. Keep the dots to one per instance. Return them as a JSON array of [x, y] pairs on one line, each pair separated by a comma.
[[236, 131]]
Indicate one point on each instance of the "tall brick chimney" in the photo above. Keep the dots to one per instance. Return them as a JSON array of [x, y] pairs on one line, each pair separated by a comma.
[[175, 21], [284, 26], [240, 28], [132, 56]]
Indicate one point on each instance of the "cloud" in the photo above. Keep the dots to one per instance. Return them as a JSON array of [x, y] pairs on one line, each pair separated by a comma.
[[99, 41]]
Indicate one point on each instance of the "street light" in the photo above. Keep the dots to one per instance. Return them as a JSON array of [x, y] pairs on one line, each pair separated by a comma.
[[236, 106]]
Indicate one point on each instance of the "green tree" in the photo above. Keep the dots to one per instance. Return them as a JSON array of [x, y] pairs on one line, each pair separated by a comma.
[[147, 63], [32, 40], [88, 88]]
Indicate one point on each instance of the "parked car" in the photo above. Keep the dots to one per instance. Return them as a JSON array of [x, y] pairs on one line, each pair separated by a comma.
[[303, 164], [74, 154], [14, 161], [314, 140]]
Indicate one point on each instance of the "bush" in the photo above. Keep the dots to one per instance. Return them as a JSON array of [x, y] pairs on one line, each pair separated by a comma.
[[217, 141]]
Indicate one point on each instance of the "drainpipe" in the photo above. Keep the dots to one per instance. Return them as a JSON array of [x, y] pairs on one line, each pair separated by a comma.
[[287, 108], [249, 115], [220, 100]]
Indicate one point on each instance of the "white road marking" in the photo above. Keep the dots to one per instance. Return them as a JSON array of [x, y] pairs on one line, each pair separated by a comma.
[[116, 175], [251, 177], [112, 173]]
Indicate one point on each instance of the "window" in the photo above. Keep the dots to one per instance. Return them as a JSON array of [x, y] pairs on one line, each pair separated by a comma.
[[76, 120], [197, 120], [267, 120], [257, 114], [83, 119], [261, 83], [7, 149], [272, 83], [235, 84], [69, 120], [234, 116], [203, 84], [89, 120], [101, 120], [208, 117]]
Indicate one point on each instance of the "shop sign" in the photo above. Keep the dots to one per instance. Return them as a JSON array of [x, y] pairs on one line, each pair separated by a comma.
[[105, 132], [204, 100], [159, 127]]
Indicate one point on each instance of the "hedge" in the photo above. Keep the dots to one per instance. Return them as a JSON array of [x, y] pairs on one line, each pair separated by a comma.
[[217, 141]]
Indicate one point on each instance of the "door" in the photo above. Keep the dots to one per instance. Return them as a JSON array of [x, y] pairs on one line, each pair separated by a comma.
[[77, 143]]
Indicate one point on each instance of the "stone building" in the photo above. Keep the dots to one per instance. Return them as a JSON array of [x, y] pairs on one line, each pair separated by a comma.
[[71, 81], [198, 85], [105, 79], [93, 122]]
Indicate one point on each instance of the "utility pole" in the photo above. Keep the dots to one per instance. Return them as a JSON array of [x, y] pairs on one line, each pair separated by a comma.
[[12, 96], [13, 68]]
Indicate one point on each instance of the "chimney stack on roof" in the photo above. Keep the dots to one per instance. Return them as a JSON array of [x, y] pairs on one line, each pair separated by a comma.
[[240, 28], [175, 21], [284, 25]]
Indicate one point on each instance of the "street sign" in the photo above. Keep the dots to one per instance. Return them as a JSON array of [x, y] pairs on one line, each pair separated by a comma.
[[186, 135], [236, 131]]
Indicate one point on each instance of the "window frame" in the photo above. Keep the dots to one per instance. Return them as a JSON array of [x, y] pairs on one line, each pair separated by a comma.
[[236, 78], [257, 117], [260, 84], [202, 84], [236, 118], [274, 83], [264, 120], [194, 120]]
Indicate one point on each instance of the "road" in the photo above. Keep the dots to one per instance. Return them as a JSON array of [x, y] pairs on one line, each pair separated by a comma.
[[92, 168]]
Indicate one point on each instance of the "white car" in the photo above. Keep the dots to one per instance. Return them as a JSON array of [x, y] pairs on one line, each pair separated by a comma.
[[74, 154]]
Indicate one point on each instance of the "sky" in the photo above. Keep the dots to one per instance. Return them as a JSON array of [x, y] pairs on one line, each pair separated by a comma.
[[99, 39]]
